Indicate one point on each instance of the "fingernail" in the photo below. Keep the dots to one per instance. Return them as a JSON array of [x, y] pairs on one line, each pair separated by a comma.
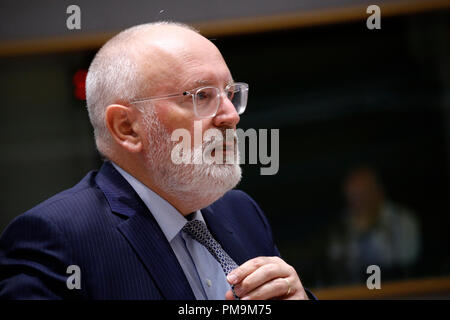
[[245, 298], [232, 278]]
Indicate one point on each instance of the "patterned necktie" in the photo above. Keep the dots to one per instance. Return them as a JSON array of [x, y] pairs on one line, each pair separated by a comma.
[[197, 229]]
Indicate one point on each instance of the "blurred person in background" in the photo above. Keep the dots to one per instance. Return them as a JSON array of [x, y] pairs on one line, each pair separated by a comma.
[[374, 231]]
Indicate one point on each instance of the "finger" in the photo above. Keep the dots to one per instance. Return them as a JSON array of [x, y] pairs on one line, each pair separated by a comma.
[[229, 295], [302, 296], [273, 289], [260, 276], [296, 294], [238, 274], [297, 291]]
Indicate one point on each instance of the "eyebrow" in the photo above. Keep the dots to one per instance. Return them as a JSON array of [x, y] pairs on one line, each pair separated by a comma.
[[208, 81], [203, 81]]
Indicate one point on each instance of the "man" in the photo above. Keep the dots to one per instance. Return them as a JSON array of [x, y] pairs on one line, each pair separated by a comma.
[[144, 227]]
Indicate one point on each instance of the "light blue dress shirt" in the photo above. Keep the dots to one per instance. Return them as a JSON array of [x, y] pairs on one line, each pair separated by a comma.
[[203, 272]]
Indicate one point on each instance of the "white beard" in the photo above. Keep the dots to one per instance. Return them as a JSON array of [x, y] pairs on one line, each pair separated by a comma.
[[196, 185]]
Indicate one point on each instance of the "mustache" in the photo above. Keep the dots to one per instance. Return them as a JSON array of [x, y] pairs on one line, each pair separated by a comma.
[[218, 142]]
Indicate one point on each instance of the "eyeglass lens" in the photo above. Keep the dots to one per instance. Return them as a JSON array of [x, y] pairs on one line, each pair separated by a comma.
[[207, 100]]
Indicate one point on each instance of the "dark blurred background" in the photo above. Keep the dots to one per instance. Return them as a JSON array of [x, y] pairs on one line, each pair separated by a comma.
[[364, 120]]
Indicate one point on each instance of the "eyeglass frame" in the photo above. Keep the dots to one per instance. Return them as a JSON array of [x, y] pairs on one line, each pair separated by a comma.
[[193, 94]]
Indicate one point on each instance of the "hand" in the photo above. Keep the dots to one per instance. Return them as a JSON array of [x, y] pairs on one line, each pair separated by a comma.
[[265, 278]]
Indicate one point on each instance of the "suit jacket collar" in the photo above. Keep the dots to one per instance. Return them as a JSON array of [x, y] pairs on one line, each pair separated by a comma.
[[144, 235], [224, 232]]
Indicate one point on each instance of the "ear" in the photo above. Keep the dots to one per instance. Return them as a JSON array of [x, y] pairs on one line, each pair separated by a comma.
[[123, 125]]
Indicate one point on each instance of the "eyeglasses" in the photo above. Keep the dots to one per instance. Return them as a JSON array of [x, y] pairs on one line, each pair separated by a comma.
[[206, 100]]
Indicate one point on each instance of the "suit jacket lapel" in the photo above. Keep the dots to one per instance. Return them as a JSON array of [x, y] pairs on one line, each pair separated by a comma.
[[149, 242], [144, 235], [223, 232]]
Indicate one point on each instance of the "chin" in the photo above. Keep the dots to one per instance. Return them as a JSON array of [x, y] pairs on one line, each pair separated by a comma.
[[203, 185]]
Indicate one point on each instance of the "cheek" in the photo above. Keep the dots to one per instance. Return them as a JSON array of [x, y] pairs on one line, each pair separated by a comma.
[[173, 117]]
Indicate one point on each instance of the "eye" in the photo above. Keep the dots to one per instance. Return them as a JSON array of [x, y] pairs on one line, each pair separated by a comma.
[[230, 93], [207, 94], [203, 95]]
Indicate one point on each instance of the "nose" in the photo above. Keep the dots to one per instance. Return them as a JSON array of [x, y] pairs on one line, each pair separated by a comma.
[[227, 115]]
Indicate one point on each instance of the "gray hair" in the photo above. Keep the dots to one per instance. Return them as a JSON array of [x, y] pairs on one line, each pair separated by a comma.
[[114, 76]]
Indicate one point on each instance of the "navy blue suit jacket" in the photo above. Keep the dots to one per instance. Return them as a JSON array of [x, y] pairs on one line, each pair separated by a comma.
[[102, 226]]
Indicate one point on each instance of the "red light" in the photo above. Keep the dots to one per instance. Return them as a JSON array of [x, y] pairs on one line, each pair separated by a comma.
[[79, 82]]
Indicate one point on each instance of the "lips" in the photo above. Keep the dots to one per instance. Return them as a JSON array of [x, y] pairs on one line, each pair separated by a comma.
[[228, 146]]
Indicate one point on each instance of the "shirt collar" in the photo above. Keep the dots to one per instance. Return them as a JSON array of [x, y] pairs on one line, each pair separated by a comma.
[[169, 219]]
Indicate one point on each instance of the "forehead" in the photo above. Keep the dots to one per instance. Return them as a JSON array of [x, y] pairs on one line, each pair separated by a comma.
[[205, 73], [190, 61], [203, 64]]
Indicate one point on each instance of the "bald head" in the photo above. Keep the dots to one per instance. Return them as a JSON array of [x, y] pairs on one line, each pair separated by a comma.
[[169, 54], [141, 61]]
